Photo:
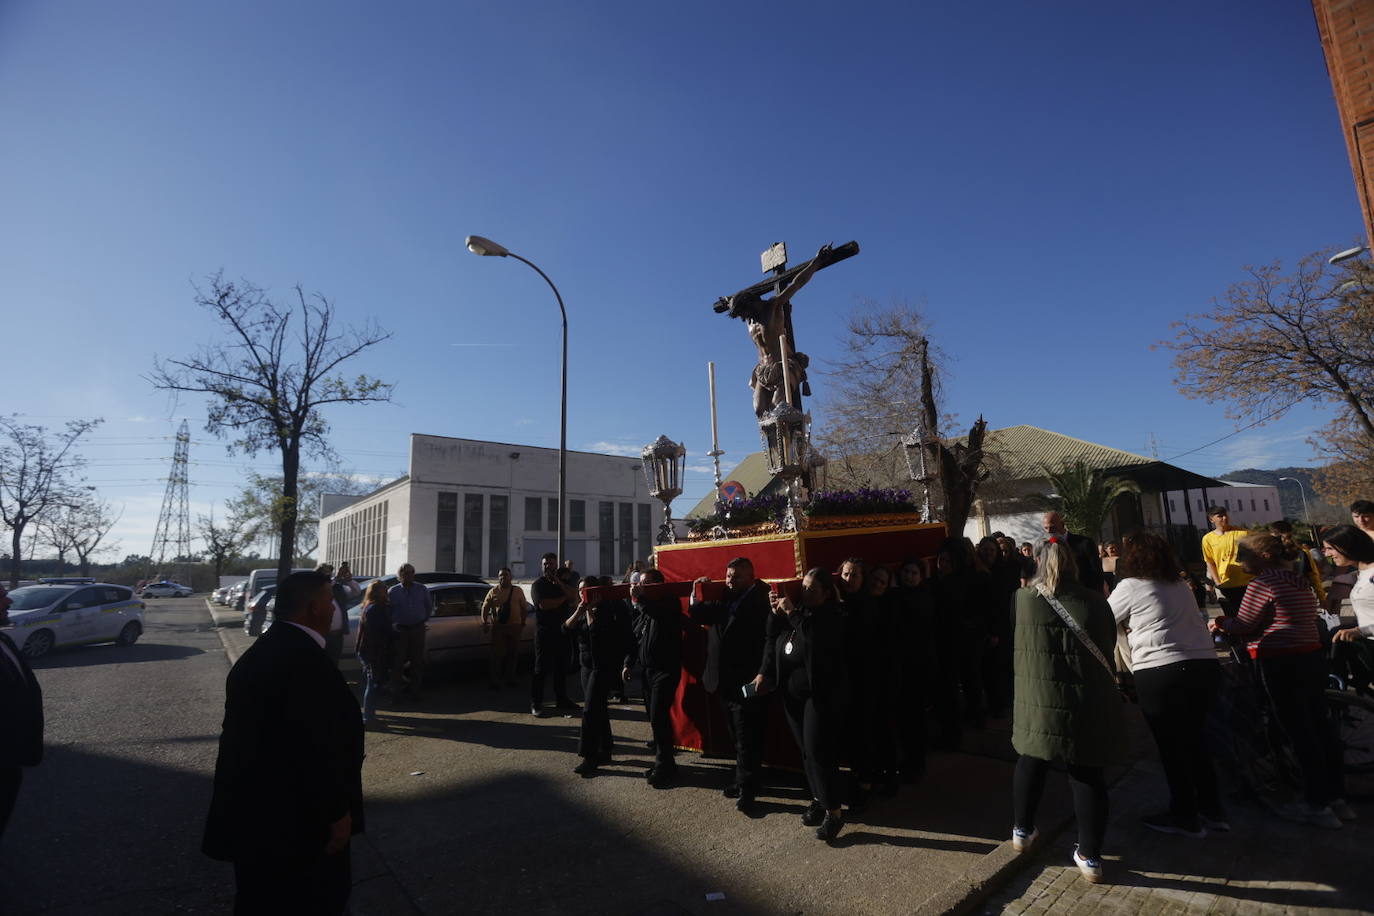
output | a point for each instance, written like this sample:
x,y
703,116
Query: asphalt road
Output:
x,y
110,821
472,807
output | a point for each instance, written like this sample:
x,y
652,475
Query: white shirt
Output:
x,y
319,640
1165,623
1362,599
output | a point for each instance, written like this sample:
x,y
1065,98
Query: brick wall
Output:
x,y
1347,35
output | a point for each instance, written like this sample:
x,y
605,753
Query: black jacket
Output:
x,y
658,629
826,653
603,644
21,714
290,754
734,641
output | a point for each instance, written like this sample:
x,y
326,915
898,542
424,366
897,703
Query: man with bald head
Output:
x,y
1084,551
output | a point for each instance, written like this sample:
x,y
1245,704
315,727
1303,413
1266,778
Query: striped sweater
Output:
x,y
1280,607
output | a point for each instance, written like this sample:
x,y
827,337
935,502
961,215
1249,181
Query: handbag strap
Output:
x,y
1077,630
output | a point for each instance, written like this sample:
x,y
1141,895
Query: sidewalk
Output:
x,y
440,778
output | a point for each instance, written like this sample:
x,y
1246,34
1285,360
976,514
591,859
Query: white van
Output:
x,y
259,579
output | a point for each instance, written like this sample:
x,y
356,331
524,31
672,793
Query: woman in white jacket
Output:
x,y
1176,675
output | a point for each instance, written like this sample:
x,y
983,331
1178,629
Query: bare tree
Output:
x,y
258,504
268,382
223,542
887,388
57,530
94,524
36,476
1275,340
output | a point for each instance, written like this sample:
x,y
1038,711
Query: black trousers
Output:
x,y
1089,787
10,778
596,741
910,723
746,719
1175,699
660,689
1295,685
550,658
279,889
816,727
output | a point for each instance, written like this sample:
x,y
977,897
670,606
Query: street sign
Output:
x,y
732,490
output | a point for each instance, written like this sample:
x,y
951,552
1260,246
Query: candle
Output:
x,y
711,376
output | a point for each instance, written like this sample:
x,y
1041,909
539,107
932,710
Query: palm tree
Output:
x,y
1085,495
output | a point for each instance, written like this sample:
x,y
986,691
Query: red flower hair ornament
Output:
x,y
1054,540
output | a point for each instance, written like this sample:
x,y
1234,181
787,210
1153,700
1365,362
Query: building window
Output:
x,y
446,534
472,532
627,536
643,528
606,533
1228,503
359,539
553,514
497,534
1266,505
577,515
1252,505
534,513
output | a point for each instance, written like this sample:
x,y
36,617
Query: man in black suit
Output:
x,y
21,717
737,625
288,780
1084,550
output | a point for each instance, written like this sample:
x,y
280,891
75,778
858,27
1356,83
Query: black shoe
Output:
x,y
586,768
651,745
663,777
1165,822
830,827
745,803
731,791
568,705
538,712
814,814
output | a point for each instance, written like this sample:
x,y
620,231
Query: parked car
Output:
x,y
67,580
166,589
257,612
454,633
45,616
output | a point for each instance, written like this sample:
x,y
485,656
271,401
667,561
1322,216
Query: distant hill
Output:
x,y
1322,511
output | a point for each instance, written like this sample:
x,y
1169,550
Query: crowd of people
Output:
x,y
872,664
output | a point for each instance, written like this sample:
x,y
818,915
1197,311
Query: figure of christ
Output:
x,y
769,322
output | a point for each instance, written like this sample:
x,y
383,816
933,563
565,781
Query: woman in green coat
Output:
x,y
1067,705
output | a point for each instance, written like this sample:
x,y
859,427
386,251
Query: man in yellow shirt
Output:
x,y
1219,552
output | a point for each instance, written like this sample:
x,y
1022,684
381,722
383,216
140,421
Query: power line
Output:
x,y
1236,433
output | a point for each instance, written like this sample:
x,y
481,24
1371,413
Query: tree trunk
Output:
x,y
84,559
290,489
16,554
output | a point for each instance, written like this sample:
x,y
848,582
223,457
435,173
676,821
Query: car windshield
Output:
x,y
36,596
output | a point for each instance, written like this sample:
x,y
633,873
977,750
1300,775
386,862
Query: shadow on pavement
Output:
x,y
81,656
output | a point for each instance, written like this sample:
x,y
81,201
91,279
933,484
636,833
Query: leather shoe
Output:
x,y
538,712
731,791
813,815
586,768
745,803
830,827
662,777
568,704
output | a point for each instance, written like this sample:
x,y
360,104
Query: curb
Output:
x,y
998,867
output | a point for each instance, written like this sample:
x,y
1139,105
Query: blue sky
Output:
x,y
1053,183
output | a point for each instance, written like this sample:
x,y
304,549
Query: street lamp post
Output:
x,y
1303,493
487,248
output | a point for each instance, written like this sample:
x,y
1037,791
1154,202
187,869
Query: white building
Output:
x,y
472,506
1248,504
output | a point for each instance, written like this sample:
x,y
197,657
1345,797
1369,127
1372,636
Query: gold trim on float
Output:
x,y
696,545
871,529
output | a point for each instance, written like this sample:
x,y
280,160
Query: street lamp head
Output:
x,y
1346,255
486,247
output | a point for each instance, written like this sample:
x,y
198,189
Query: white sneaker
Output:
x,y
1342,810
1090,869
1021,840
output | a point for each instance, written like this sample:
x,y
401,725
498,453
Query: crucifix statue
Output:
x,y
779,377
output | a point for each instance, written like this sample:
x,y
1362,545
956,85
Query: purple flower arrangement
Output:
x,y
863,501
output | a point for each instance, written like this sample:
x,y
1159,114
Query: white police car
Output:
x,y
165,589
44,616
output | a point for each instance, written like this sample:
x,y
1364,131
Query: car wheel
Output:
x,y
130,634
39,644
